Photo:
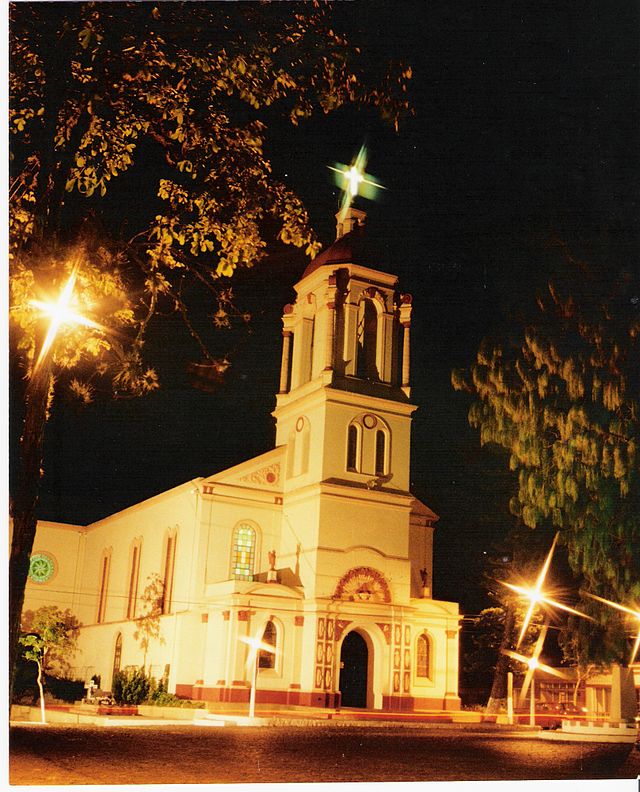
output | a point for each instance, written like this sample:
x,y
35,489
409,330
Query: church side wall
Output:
x,y
63,546
147,526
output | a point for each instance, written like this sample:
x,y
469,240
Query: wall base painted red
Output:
x,y
304,698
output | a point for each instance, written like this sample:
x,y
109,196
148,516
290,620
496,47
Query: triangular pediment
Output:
x,y
262,472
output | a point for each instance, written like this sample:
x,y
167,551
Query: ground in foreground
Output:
x,y
189,755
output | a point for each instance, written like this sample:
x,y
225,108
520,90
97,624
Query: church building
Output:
x,y
317,547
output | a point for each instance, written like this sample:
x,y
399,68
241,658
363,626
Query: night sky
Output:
x,y
526,125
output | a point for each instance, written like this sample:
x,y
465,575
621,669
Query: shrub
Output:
x,y
131,686
159,696
62,689
165,699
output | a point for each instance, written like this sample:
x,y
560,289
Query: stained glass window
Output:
x,y
422,657
243,552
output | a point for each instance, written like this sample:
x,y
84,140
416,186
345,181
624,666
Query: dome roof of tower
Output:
x,y
356,247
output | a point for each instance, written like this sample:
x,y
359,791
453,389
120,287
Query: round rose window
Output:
x,y
41,568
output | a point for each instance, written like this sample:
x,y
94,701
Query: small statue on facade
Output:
x,y
424,577
272,560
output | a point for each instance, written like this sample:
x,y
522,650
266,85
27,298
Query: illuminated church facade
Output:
x,y
317,547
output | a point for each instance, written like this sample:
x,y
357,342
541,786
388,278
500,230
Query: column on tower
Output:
x,y
287,339
286,359
331,314
405,321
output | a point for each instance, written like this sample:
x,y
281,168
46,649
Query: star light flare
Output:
x,y
256,644
536,595
353,180
61,313
533,663
624,609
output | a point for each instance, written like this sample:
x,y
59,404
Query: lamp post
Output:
x,y
255,645
25,496
533,664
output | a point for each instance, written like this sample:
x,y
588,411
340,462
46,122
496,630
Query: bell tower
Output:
x,y
343,405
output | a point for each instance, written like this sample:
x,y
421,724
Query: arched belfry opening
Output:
x,y
354,671
367,351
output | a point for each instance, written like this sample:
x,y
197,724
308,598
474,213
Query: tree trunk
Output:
x,y
498,698
43,718
25,501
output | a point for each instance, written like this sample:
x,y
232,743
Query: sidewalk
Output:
x,y
304,717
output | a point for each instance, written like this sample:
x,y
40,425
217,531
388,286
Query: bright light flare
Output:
x,y
539,598
353,180
61,313
535,595
533,664
624,609
256,645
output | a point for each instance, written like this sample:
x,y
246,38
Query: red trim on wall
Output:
x,y
309,698
398,703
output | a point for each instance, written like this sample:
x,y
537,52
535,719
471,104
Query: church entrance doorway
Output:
x,y
354,664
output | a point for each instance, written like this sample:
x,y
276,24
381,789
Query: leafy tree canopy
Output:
x,y
184,92
49,637
559,393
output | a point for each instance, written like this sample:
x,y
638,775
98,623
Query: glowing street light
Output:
x,y
537,596
255,645
25,498
354,181
533,663
624,609
61,313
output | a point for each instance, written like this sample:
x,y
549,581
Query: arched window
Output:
x,y
243,551
105,565
423,658
134,573
381,453
117,654
353,447
367,341
169,563
267,659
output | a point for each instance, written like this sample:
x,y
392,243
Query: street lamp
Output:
x,y
61,313
255,645
537,596
25,499
533,663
